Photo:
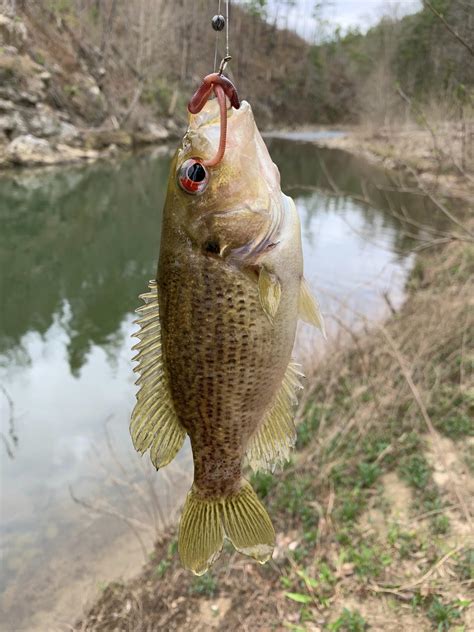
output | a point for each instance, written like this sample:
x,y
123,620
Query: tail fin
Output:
x,y
241,518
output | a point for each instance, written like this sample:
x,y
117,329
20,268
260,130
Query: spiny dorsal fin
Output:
x,y
271,444
154,424
269,290
309,309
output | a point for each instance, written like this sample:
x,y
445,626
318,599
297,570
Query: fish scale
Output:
x,y
213,378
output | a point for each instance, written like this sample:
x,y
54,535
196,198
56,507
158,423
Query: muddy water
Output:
x,y
77,245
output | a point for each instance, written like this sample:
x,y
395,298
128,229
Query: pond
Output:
x,y
77,245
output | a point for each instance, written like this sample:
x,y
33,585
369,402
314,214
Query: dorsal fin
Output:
x,y
154,425
271,444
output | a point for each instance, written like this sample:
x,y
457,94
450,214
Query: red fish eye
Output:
x,y
193,176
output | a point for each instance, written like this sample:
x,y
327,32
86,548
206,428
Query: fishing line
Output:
x,y
227,54
217,37
219,22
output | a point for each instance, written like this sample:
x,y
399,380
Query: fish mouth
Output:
x,y
210,115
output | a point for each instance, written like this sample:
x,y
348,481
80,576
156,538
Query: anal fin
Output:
x,y
154,425
271,444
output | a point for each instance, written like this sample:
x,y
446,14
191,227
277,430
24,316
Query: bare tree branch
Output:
x,y
453,31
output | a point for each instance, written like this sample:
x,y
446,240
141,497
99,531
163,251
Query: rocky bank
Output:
x,y
53,105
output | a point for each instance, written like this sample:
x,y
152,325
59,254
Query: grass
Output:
x,y
205,585
442,614
348,622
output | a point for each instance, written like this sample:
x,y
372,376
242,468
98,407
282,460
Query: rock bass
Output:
x,y
217,331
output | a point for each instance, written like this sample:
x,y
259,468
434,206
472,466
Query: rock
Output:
x,y
68,133
151,133
99,139
86,98
6,105
12,32
19,79
8,93
75,154
12,124
29,150
10,50
95,91
28,98
44,122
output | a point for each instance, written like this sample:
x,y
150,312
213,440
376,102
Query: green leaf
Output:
x,y
298,597
307,579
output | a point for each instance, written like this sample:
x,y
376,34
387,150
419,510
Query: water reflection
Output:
x,y
85,238
77,246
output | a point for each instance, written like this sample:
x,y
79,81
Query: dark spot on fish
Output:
x,y
212,246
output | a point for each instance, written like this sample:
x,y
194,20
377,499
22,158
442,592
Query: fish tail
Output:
x,y
241,518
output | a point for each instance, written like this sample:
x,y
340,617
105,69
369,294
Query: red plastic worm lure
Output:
x,y
222,87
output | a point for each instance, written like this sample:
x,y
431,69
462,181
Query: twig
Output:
x,y
419,111
11,425
410,585
452,30
438,204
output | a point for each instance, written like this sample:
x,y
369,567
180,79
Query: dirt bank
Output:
x,y
439,155
374,513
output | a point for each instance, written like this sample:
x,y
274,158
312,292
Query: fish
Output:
x,y
217,330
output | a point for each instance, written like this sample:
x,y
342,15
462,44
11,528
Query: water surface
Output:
x,y
77,245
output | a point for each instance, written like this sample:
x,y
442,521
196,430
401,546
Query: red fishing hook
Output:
x,y
222,87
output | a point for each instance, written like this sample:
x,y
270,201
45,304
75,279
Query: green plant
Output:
x,y
349,622
162,567
204,585
465,565
295,496
442,614
263,483
416,471
368,560
440,524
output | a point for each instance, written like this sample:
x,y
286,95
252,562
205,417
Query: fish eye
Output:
x,y
193,176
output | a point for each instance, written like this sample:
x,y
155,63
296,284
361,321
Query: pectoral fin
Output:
x,y
309,309
269,290
154,425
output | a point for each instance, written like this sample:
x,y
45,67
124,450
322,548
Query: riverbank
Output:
x,y
439,155
374,513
